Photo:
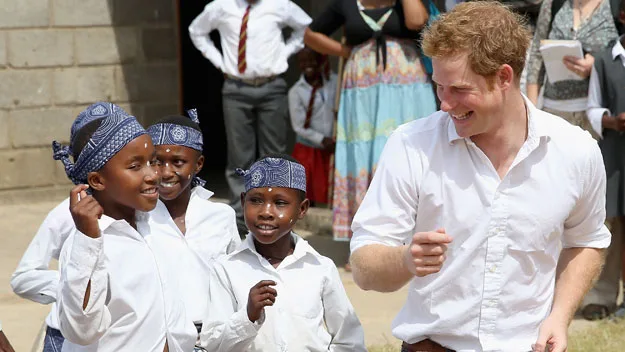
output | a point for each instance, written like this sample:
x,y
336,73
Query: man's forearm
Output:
x,y
380,268
577,270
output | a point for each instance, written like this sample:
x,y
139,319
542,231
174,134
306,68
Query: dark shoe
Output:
x,y
595,312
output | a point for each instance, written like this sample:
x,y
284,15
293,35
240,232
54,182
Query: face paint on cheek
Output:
x,y
188,176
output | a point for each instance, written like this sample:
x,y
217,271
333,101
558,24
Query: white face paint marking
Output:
x,y
270,189
166,164
281,216
268,206
188,176
148,163
291,221
145,146
167,150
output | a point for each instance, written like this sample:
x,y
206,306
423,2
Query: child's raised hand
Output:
x,y
328,144
261,296
85,211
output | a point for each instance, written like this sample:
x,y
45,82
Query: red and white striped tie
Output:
x,y
242,39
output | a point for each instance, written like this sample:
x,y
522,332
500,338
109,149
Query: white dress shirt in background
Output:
x,y
266,51
33,279
497,284
133,304
311,313
322,119
211,231
595,110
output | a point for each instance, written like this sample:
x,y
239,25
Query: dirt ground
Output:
x,y
22,320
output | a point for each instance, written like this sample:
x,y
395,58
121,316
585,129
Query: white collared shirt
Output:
x,y
311,313
595,110
266,51
497,284
133,304
211,231
322,118
33,279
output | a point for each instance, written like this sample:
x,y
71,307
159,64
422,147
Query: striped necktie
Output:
x,y
242,39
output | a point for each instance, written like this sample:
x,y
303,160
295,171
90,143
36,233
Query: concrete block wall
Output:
x,y
58,56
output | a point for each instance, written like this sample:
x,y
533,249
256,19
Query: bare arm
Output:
x,y
415,14
323,44
5,345
380,268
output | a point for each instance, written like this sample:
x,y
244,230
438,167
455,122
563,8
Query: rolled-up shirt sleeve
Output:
x,y
594,110
82,262
387,214
585,225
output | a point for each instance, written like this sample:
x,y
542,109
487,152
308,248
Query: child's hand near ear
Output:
x,y
261,296
85,211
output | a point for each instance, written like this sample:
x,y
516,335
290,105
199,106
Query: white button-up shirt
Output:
x,y
133,304
322,118
266,51
311,313
211,231
33,279
497,283
595,110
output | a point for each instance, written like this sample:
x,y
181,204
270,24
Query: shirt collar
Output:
x,y
618,50
302,247
106,222
201,192
535,126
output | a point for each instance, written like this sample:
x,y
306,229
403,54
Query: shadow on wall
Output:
x,y
145,32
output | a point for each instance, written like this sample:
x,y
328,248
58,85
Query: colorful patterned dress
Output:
x,y
379,93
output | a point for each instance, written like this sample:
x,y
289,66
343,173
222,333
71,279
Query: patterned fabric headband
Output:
x,y
169,133
172,134
274,172
117,129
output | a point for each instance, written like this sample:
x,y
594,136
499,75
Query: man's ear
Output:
x,y
199,164
96,181
505,76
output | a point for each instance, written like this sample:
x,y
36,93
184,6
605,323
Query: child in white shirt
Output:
x,y
198,230
275,292
311,108
115,293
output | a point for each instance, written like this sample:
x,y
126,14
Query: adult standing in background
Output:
x,y
384,85
253,60
589,21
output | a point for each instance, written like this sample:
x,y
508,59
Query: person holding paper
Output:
x,y
591,23
606,112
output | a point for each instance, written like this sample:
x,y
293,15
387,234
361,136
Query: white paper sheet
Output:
x,y
553,52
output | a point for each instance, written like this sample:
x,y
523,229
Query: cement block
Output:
x,y
142,11
3,50
41,48
39,127
81,13
25,88
159,44
156,112
106,45
24,13
5,141
149,83
26,168
64,85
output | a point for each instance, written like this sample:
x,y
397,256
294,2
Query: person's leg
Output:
x,y
601,299
620,311
53,342
240,123
272,118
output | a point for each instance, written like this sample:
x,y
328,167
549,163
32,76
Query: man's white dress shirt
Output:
x,y
497,283
133,304
311,313
322,118
595,110
266,51
33,279
211,231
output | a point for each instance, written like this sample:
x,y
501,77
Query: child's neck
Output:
x,y
277,251
117,211
314,81
178,209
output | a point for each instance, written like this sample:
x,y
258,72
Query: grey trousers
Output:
x,y
256,125
606,289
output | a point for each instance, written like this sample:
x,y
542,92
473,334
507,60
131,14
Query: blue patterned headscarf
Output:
x,y
274,172
117,129
174,134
